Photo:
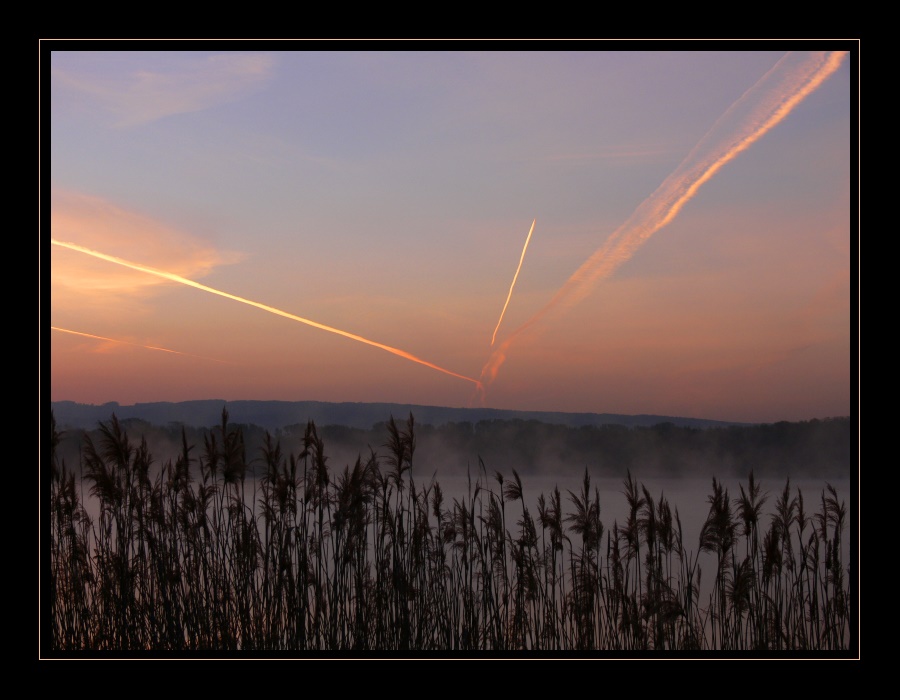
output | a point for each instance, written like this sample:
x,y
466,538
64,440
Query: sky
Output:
x,y
350,226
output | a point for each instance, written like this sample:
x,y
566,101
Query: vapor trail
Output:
x,y
515,277
125,342
264,307
759,109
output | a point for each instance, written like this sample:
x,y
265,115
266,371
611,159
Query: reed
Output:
x,y
213,551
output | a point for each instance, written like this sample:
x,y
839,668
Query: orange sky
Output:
x,y
388,196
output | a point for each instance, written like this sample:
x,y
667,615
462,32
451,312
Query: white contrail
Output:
x,y
515,277
264,307
139,345
769,101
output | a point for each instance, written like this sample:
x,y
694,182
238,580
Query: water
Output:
x,y
686,494
689,496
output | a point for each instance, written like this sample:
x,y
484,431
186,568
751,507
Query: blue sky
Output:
x,y
388,195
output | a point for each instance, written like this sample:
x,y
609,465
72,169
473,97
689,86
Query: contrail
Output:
x,y
515,277
125,342
264,307
769,101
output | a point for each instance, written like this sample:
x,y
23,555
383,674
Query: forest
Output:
x,y
815,447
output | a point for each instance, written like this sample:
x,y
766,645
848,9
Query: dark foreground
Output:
x,y
181,558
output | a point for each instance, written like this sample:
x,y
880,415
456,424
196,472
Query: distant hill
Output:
x,y
272,415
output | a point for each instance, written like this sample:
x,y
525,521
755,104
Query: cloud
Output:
x,y
166,275
95,222
190,85
757,111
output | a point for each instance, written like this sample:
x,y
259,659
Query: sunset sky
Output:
x,y
346,226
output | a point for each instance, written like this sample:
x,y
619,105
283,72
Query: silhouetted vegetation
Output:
x,y
821,448
196,554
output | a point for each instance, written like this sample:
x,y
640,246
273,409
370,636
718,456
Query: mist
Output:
x,y
815,448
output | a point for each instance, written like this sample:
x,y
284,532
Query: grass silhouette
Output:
x,y
192,555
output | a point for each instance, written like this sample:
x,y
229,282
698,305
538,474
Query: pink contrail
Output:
x,y
264,307
139,345
769,101
515,277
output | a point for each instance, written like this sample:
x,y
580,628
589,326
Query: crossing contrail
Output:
x,y
768,102
515,277
139,345
264,307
